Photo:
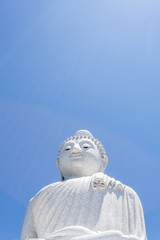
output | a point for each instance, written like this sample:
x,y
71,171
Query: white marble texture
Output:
x,y
87,204
73,208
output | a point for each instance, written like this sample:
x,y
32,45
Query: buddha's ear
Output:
x,y
103,166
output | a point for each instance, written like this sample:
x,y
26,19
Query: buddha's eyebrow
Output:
x,y
86,141
68,143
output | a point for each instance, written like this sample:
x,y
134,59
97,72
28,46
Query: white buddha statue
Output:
x,y
87,204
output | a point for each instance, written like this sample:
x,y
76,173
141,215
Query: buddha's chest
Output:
x,y
76,206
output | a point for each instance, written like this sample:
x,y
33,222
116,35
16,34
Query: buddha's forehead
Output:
x,y
79,141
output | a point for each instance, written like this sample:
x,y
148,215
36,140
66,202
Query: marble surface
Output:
x,y
87,204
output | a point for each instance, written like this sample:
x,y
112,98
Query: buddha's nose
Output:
x,y
76,149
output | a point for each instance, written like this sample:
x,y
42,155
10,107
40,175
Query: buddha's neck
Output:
x,y
79,176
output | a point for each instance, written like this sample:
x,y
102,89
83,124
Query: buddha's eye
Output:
x,y
86,146
67,148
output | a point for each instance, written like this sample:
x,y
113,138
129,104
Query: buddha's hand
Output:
x,y
68,233
108,235
100,181
36,239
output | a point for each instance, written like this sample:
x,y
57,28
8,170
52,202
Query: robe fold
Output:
x,y
70,209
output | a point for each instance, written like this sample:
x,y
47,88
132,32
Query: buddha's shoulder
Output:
x,y
123,187
55,188
131,193
46,191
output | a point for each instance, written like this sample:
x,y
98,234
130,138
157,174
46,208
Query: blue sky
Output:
x,y
70,65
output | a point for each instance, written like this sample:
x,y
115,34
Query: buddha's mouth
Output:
x,y
76,156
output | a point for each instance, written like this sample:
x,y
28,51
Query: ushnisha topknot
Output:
x,y
85,134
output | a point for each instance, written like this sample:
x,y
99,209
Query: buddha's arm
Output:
x,y
108,235
135,221
28,230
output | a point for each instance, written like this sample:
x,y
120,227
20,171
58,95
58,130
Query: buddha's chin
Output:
x,y
77,162
79,171
77,175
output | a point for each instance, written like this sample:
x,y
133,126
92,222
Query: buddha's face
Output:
x,y
79,158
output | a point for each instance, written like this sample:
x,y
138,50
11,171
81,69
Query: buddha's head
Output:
x,y
81,155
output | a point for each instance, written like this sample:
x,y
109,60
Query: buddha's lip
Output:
x,y
76,155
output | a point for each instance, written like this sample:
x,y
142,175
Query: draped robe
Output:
x,y
72,209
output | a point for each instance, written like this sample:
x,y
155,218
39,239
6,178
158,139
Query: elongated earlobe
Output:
x,y
62,177
103,164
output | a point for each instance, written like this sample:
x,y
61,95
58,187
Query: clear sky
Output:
x,y
70,65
